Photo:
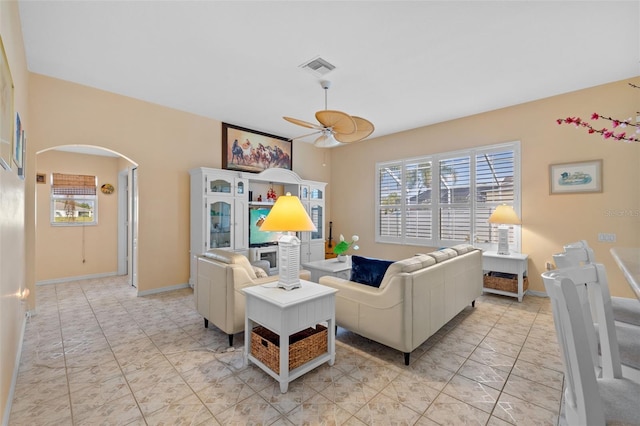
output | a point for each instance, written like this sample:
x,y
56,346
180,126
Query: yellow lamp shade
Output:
x,y
504,215
288,214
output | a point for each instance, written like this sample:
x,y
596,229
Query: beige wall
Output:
x,y
549,221
77,251
165,144
12,212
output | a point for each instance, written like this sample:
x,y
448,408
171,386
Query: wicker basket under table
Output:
x,y
304,346
504,282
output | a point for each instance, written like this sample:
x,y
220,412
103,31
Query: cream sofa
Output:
x,y
416,297
221,275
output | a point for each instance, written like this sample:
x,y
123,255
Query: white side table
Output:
x,y
285,313
333,267
513,263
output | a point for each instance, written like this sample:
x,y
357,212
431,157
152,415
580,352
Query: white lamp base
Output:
x,y
289,262
503,240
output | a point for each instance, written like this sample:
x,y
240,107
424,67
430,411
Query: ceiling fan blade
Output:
x,y
302,123
364,129
339,121
308,134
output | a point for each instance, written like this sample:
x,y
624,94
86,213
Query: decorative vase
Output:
x,y
342,258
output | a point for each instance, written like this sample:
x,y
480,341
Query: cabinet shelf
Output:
x,y
261,203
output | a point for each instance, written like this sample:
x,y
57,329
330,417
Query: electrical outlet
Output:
x,y
606,238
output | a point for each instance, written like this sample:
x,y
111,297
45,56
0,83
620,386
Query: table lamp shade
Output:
x,y
288,215
504,215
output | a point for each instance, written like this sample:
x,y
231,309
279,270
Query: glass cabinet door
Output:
x,y
318,220
316,194
220,219
304,193
219,186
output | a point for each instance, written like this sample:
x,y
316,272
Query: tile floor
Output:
x,y
95,353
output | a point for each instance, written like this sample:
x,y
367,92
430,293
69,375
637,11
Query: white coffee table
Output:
x,y
333,267
285,313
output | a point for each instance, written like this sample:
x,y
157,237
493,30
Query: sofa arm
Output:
x,y
305,275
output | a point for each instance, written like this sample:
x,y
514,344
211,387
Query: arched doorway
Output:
x,y
107,247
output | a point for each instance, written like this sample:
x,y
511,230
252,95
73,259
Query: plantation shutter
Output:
x,y
446,198
390,200
455,205
494,186
418,210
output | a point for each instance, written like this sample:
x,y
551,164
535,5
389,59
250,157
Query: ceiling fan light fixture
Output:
x,y
325,140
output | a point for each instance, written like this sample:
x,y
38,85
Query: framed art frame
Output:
x,y
575,178
23,144
251,151
6,110
17,145
41,178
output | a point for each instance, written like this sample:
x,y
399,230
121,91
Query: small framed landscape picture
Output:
x,y
251,151
41,178
575,178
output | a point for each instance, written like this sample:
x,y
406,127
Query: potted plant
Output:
x,y
343,246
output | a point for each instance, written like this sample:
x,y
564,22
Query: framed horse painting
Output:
x,y
251,151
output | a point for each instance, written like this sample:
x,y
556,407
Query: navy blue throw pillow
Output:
x,y
369,271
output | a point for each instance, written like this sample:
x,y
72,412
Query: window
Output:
x,y
73,200
447,198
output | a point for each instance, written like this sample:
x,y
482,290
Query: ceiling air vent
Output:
x,y
318,66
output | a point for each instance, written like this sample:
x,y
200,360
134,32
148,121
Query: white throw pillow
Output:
x,y
260,273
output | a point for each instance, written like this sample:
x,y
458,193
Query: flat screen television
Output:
x,y
258,238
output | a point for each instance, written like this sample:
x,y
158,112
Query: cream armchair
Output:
x,y
221,276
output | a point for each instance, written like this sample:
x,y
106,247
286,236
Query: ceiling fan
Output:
x,y
335,126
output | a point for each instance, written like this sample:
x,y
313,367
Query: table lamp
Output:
x,y
504,215
288,215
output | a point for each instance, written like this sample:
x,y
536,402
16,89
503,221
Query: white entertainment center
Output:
x,y
220,213
265,254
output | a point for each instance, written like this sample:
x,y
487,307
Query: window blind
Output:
x,y
66,184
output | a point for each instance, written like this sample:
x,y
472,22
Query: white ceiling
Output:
x,y
399,64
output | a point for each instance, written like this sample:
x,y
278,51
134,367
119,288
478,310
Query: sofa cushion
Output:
x,y
444,254
369,271
411,264
426,260
463,248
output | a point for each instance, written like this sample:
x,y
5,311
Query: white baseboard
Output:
x,y
537,293
14,378
76,278
111,274
163,289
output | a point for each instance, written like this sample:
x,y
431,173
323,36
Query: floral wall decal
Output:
x,y
617,131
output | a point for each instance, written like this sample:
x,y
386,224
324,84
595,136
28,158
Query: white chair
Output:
x,y
575,254
627,335
589,400
625,310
